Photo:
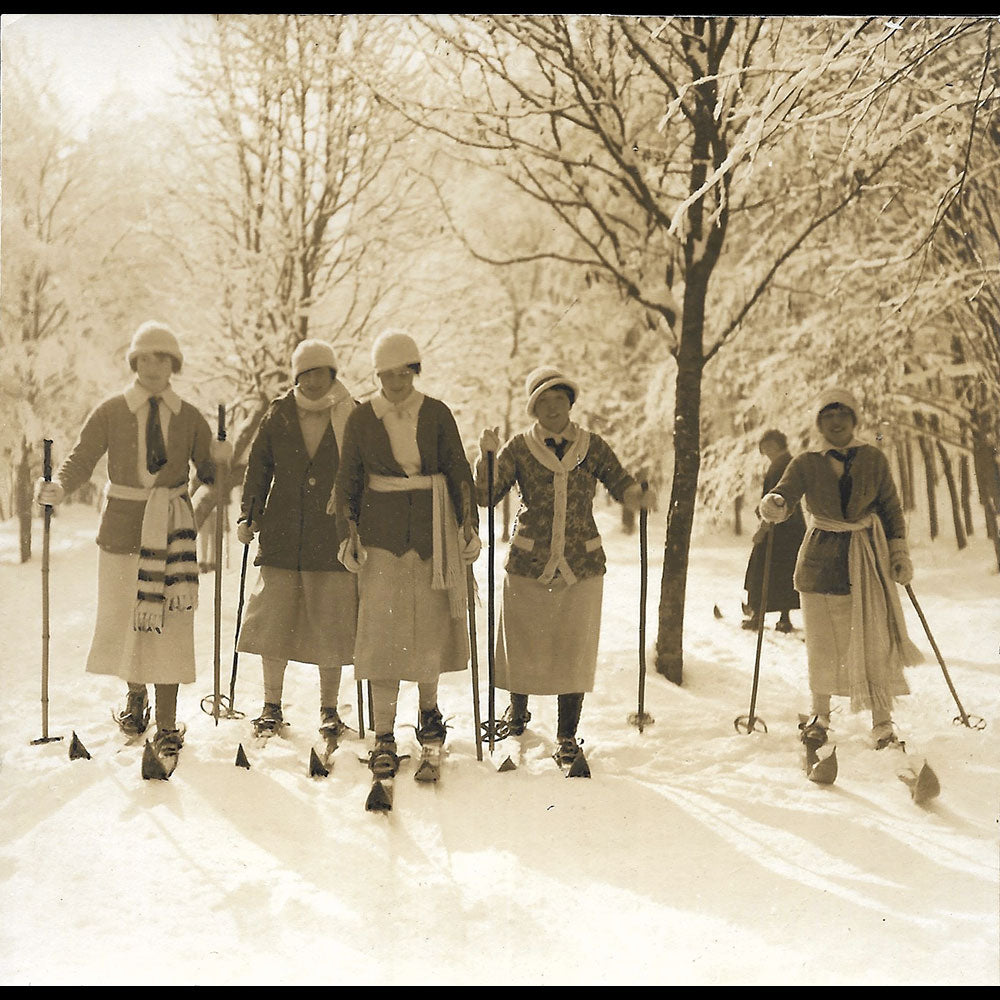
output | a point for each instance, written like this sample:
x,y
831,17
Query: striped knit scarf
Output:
x,y
168,559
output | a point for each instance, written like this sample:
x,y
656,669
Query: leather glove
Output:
x,y
773,508
354,559
471,548
245,532
49,494
900,565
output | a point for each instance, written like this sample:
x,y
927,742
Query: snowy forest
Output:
x,y
705,219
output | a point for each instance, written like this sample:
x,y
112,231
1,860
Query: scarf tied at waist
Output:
x,y
168,558
875,607
447,567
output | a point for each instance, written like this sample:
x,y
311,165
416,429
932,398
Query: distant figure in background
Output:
x,y
781,593
305,605
147,569
851,560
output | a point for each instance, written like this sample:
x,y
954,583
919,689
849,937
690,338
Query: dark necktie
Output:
x,y
559,447
847,457
156,449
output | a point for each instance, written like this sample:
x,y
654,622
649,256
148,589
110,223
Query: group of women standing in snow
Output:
x,y
367,517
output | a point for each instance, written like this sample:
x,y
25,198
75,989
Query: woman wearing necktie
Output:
x,y
853,555
305,605
399,505
550,616
147,585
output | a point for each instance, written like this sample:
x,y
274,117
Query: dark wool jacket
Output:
x,y
530,545
398,522
822,562
290,491
113,428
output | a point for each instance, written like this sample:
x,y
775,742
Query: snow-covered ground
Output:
x,y
694,855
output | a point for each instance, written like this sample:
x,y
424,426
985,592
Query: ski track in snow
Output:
x,y
694,855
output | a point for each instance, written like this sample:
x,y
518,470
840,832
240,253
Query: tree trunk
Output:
x,y
24,501
738,515
988,484
965,493
930,480
956,503
904,461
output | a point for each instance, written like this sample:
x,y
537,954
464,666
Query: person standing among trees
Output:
x,y
147,577
305,605
853,556
781,593
550,618
403,476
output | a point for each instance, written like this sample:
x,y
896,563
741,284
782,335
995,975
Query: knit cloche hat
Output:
x,y
154,338
310,354
836,395
394,349
547,377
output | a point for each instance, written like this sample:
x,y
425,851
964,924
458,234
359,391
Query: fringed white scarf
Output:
x,y
560,468
338,401
876,613
168,559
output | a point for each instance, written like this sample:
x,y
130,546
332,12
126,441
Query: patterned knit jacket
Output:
x,y
113,428
398,522
290,491
530,546
822,562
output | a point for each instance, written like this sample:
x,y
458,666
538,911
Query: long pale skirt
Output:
x,y
827,619
548,635
309,616
165,657
405,628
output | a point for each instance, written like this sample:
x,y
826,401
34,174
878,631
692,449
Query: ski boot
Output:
x,y
269,721
570,757
784,625
134,720
516,724
159,758
383,761
331,727
814,732
432,730
883,735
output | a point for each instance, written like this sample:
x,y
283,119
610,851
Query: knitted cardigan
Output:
x,y
113,428
530,545
822,563
399,522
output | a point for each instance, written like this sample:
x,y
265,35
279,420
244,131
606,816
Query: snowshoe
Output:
x,y
159,757
317,769
383,762
331,727
814,733
134,719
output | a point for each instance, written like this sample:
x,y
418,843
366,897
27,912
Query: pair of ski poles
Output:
x,y
751,722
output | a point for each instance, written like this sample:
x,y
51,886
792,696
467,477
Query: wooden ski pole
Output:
x,y
470,587
221,486
973,722
491,598
46,533
231,712
748,723
642,718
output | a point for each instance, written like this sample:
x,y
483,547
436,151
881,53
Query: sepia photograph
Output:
x,y
499,500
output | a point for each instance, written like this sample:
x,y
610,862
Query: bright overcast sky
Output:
x,y
94,55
